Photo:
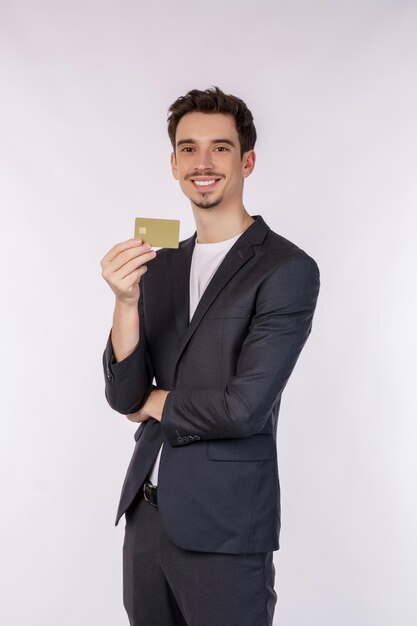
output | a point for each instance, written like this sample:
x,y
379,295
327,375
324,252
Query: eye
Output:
x,y
186,149
221,148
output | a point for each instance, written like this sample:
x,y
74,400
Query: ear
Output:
x,y
248,163
174,166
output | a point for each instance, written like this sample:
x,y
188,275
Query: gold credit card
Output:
x,y
158,232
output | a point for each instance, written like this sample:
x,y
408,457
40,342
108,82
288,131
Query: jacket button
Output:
x,y
196,437
108,372
180,439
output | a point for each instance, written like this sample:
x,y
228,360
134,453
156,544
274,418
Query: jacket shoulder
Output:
x,y
279,250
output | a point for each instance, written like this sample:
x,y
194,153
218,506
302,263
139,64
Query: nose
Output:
x,y
203,159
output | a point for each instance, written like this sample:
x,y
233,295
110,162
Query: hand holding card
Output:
x,y
160,233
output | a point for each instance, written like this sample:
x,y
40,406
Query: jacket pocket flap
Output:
x,y
253,448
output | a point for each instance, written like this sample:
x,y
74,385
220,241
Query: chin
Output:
x,y
207,204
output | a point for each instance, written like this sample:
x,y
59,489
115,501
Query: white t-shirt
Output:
x,y
204,263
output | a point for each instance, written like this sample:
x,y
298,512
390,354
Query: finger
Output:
x,y
120,247
135,264
132,278
121,250
133,257
133,417
137,417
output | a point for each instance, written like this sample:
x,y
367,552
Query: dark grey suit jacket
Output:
x,y
218,486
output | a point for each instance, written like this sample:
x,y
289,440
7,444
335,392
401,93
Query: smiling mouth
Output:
x,y
204,184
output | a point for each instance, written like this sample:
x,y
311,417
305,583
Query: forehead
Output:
x,y
200,126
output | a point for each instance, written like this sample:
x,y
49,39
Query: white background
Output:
x,y
85,90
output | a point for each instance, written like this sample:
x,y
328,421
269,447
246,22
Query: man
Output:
x,y
219,324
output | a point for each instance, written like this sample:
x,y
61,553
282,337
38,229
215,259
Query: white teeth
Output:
x,y
204,183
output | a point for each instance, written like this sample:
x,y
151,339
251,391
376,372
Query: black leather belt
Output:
x,y
149,492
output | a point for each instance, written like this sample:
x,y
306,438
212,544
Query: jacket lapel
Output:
x,y
241,251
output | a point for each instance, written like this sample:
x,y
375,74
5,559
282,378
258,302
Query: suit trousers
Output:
x,y
164,585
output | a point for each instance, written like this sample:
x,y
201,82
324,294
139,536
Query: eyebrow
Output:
x,y
228,141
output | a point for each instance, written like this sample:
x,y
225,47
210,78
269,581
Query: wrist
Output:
x,y
126,305
160,397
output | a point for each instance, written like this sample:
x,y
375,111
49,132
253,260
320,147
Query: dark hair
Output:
x,y
213,100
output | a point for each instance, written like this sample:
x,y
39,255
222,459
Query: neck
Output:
x,y
215,225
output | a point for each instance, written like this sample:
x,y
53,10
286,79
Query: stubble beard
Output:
x,y
207,204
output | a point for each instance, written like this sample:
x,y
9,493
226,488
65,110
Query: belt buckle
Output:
x,y
144,493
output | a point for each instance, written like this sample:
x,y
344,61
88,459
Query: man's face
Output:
x,y
208,164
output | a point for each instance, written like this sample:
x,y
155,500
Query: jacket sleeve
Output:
x,y
128,382
282,322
